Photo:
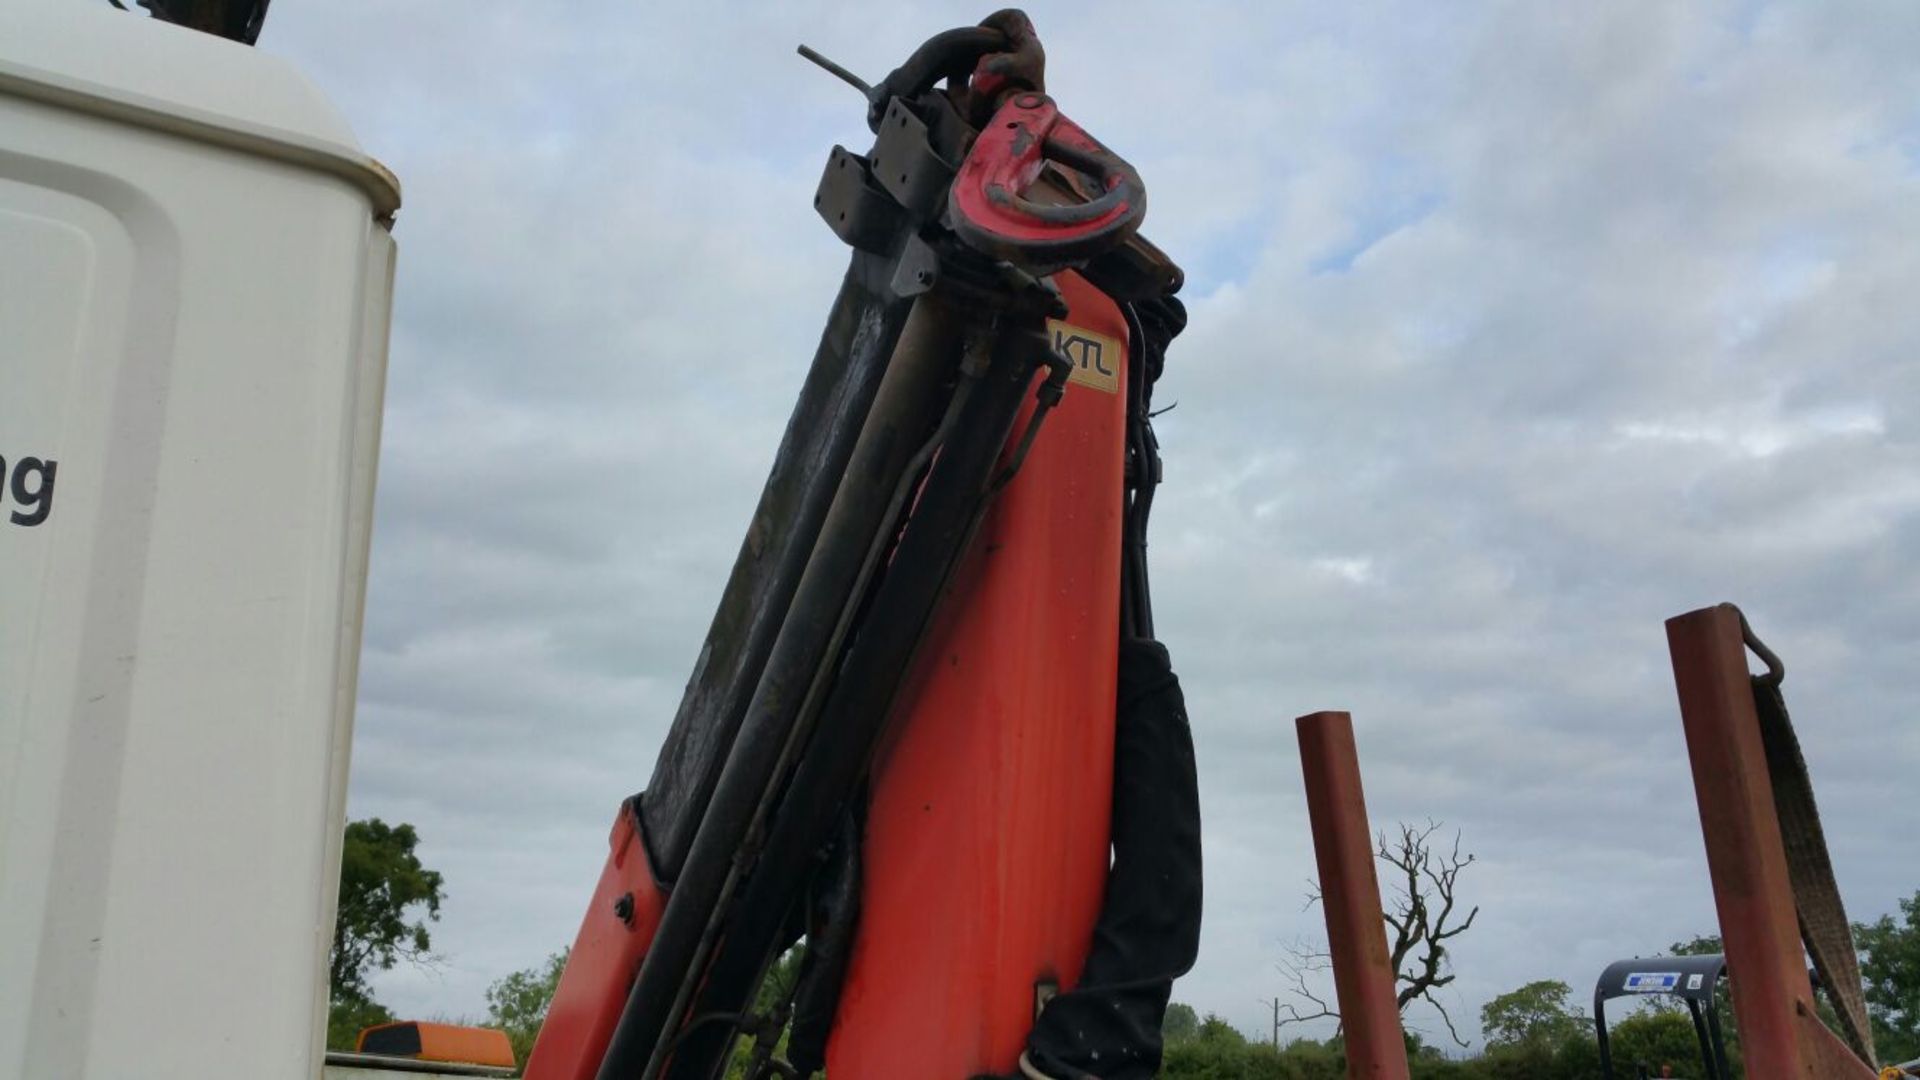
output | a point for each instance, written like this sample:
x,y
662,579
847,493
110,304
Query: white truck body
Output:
x,y
195,274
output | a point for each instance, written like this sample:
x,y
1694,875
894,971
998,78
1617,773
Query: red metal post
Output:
x,y
1350,896
1772,996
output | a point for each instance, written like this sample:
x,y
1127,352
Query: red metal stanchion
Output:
x,y
1782,1036
1350,896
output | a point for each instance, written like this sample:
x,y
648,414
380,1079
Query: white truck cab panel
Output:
x,y
195,273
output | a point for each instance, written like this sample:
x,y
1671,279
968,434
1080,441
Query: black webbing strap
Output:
x,y
1109,1026
1824,928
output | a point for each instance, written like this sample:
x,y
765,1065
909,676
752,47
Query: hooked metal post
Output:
x,y
1746,856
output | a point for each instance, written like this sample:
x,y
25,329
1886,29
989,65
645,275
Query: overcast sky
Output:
x,y
1516,329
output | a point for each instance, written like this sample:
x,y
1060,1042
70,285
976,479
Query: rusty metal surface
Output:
x,y
1772,996
1350,896
1826,1054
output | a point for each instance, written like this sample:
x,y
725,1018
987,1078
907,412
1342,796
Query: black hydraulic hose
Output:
x,y
863,328
1136,604
904,410
877,662
1151,326
830,935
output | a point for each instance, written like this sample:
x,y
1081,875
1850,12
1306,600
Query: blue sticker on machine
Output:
x,y
1651,982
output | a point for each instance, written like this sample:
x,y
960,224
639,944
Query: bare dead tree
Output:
x,y
1424,914
1305,969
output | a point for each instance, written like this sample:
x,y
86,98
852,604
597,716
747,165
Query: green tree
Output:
x,y
348,1016
1537,1014
776,992
387,897
1699,945
1216,1051
1656,1038
1181,1022
517,1004
1891,967
1215,1030
781,980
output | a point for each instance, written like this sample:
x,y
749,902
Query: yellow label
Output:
x,y
1096,358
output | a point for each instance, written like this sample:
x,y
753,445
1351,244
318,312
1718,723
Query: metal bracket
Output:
x,y
917,268
857,210
906,165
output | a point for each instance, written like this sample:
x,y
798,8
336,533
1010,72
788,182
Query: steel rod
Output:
x,y
837,71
